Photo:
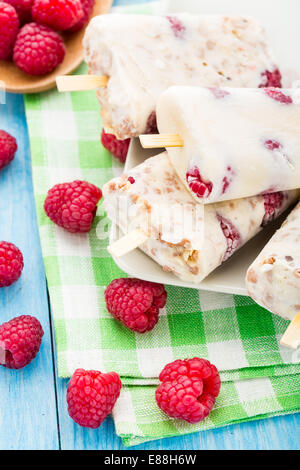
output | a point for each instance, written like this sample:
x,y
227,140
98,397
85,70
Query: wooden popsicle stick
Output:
x,y
80,82
152,141
127,243
291,338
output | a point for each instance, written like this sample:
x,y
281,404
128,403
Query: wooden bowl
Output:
x,y
17,81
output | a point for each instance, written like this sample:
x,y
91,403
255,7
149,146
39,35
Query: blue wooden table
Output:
x,y
33,412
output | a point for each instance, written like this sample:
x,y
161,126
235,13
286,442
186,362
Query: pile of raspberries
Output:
x,y
29,31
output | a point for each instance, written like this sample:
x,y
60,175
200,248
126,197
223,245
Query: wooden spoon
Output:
x,y
17,81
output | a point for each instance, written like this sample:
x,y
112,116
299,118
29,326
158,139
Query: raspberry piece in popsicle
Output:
x,y
233,237
272,203
177,26
271,79
201,188
227,179
218,92
151,126
278,95
272,144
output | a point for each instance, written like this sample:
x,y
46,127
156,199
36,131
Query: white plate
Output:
x,y
281,20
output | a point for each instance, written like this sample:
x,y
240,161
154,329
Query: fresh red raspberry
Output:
x,y
201,188
38,50
9,26
232,235
23,9
278,95
87,7
135,303
57,14
118,148
73,206
189,389
11,264
271,79
20,341
177,26
8,148
272,204
91,396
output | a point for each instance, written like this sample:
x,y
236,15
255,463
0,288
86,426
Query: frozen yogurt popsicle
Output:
x,y
237,142
273,279
226,226
152,199
144,55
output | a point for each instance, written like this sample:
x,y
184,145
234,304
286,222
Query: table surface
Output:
x,y
33,413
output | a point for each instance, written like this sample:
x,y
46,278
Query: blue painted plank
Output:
x,y
268,434
28,405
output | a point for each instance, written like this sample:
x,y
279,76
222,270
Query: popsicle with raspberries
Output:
x,y
223,229
233,142
273,279
136,57
150,202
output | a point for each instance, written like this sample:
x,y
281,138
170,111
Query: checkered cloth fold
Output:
x,y
260,378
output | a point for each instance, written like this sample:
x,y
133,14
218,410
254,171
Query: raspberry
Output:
x,y
73,206
57,14
272,144
118,148
151,126
201,188
233,237
218,92
227,179
38,50
272,203
271,79
278,95
23,9
275,145
91,396
9,26
135,303
87,7
131,179
189,389
8,148
177,26
11,264
20,341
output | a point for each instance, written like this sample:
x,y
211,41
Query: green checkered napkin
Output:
x,y
260,378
